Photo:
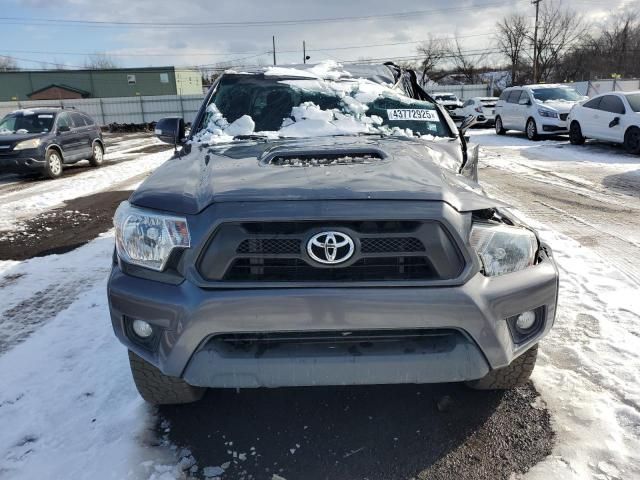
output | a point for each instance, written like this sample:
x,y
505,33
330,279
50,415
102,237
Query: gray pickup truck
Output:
x,y
323,225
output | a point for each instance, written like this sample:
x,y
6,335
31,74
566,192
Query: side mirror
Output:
x,y
170,130
525,101
468,122
64,128
614,122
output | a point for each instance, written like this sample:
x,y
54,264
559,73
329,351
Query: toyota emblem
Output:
x,y
330,248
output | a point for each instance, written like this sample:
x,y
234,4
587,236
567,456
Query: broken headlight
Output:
x,y
502,248
147,238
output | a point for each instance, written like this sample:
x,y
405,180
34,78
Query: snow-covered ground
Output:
x,y
45,195
68,407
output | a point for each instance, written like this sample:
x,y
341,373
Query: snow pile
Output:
x,y
18,204
308,119
327,70
68,406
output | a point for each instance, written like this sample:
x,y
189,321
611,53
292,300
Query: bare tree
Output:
x,y
7,64
433,52
100,61
559,29
466,64
511,38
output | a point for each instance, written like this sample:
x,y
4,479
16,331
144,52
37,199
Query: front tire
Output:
x,y
53,164
575,134
158,388
499,128
632,140
532,130
98,155
513,375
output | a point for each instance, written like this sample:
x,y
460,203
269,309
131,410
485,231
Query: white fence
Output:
x,y
463,92
122,109
594,87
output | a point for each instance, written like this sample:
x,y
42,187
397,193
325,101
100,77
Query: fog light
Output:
x,y
524,322
142,329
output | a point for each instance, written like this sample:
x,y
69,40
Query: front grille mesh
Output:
x,y
297,270
269,246
391,245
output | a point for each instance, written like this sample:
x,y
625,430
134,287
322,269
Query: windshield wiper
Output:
x,y
252,136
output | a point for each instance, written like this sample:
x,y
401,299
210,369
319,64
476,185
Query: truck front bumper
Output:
x,y
225,338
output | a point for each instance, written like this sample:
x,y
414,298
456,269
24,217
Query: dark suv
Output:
x,y
45,139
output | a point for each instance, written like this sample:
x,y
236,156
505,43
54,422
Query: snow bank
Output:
x,y
68,406
42,196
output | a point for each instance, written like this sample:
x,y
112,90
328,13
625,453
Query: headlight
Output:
x,y
503,249
33,143
147,238
547,113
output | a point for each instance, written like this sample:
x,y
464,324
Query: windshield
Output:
x,y
634,101
556,93
26,122
489,102
278,106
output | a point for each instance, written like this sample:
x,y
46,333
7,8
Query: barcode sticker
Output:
x,y
415,114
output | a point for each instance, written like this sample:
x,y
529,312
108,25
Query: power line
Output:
x,y
255,23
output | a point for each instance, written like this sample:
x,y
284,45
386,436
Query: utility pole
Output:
x,y
304,52
535,42
273,38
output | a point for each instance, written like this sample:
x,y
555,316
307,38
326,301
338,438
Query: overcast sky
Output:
x,y
32,39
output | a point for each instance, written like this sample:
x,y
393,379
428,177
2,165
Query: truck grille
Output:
x,y
276,252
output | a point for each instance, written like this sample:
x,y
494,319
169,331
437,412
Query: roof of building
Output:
x,y
62,86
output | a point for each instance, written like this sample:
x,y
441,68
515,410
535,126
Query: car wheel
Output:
x,y
532,130
575,134
499,128
98,155
515,374
632,140
53,164
158,388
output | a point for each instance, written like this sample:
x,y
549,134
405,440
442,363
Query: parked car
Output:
x,y
43,140
483,108
319,227
451,102
535,109
613,117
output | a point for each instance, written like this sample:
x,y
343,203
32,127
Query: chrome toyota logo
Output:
x,y
330,248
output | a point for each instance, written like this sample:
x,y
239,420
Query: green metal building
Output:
x,y
121,82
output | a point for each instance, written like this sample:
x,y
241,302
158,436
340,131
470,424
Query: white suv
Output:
x,y
535,109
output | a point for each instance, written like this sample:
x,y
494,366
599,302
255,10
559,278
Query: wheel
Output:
x,y
532,130
53,164
499,128
632,140
98,155
517,373
575,134
158,388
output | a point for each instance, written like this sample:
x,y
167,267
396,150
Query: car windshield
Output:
x,y
634,101
555,94
279,106
489,102
26,122
446,98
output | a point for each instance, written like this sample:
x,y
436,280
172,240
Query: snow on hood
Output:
x,y
308,119
561,106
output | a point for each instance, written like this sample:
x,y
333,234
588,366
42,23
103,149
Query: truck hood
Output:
x,y
245,171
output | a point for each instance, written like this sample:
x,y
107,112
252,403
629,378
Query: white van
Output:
x,y
535,109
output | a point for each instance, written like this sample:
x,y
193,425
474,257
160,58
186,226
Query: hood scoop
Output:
x,y
321,158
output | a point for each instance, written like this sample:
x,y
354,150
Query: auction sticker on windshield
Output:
x,y
419,114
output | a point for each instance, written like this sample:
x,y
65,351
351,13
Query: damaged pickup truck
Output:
x,y
323,225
